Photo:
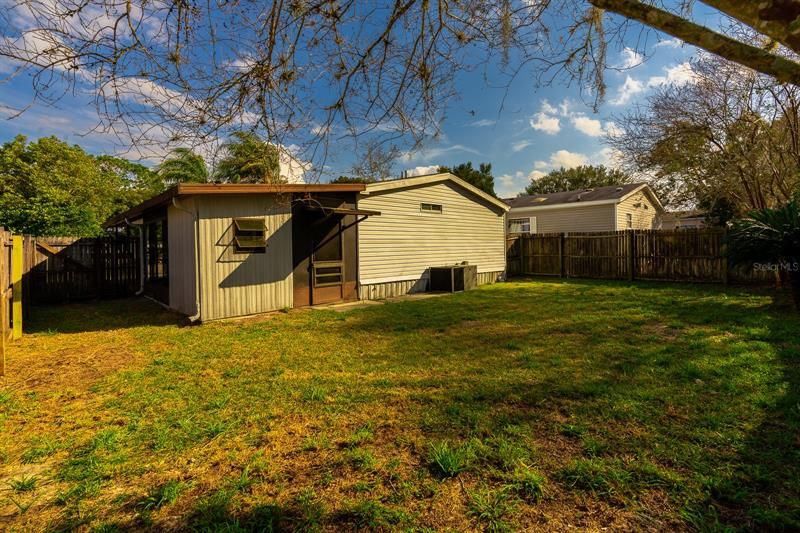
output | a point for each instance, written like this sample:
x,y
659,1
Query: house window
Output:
x,y
629,220
431,208
522,225
249,235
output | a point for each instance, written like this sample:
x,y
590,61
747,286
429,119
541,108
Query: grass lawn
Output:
x,y
520,406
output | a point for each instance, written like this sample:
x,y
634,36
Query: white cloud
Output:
x,y
670,43
627,90
482,123
567,159
612,129
609,157
548,109
536,174
630,59
546,123
520,145
589,126
423,170
427,154
681,74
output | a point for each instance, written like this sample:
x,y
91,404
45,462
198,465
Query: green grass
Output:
x,y
521,406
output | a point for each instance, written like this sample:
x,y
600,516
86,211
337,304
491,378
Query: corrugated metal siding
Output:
x,y
401,243
180,233
244,284
380,291
569,219
644,216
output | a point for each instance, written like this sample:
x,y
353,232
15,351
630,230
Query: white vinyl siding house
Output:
x,y
633,206
427,221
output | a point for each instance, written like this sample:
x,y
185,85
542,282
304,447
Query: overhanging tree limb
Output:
x,y
783,69
773,18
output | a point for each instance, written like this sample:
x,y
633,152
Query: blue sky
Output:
x,y
538,128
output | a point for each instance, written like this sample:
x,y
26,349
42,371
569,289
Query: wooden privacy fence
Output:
x,y
11,270
679,255
61,269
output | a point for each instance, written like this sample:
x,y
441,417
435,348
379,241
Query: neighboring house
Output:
x,y
217,251
614,208
427,221
684,220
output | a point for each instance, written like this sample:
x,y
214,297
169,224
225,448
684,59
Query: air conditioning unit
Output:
x,y
453,278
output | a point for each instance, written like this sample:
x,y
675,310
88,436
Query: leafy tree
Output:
x,y
350,179
726,142
136,182
249,159
48,187
183,166
480,177
573,179
770,236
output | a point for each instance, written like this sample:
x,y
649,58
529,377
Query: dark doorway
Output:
x,y
325,248
156,283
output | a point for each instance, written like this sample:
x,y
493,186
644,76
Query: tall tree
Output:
x,y
376,162
182,165
48,187
480,177
136,182
249,159
196,69
573,179
728,142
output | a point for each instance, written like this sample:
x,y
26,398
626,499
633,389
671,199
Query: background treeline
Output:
x,y
51,188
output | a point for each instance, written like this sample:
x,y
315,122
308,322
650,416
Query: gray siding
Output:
x,y
403,242
570,218
182,279
244,284
380,291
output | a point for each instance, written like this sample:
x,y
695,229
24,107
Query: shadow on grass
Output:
x,y
102,315
727,362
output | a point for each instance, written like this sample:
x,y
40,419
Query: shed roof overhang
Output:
x,y
195,189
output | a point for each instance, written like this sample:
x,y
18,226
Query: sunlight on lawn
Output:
x,y
537,405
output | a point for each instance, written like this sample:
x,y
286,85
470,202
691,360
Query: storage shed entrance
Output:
x,y
325,248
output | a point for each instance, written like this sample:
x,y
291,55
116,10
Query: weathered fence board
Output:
x,y
62,269
680,255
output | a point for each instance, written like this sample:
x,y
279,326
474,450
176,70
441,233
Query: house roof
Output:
x,y
596,196
429,179
194,189
682,215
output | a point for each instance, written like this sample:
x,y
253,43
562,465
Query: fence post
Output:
x,y
16,284
631,254
561,255
724,250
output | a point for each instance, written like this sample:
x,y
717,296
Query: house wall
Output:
x,y
234,284
570,218
643,210
181,242
397,247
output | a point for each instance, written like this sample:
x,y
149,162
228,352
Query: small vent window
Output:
x,y
250,235
431,208
629,220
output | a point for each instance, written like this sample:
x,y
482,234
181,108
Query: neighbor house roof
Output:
x,y
429,179
682,215
194,189
596,196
